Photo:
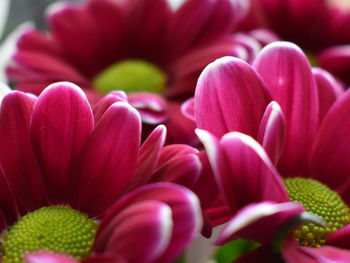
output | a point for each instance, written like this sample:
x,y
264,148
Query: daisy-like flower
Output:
x,y
302,154
321,27
140,46
74,181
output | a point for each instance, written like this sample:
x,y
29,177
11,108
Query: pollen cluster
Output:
x,y
321,201
56,228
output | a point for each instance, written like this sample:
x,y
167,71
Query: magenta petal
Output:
x,y
244,171
148,156
109,159
41,67
48,257
340,238
187,109
184,170
329,90
16,156
152,107
272,131
288,76
172,151
109,18
9,213
293,253
192,15
61,124
145,230
185,209
230,97
61,20
327,254
103,104
249,222
146,40
331,153
336,60
180,128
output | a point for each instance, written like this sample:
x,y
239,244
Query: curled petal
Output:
x,y
184,170
151,107
259,222
173,151
185,209
145,226
272,131
243,170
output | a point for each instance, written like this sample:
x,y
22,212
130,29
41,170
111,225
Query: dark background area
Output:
x,y
24,10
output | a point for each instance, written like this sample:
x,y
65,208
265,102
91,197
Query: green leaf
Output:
x,y
233,250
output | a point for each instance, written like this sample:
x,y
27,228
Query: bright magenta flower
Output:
x,y
58,156
303,155
318,26
139,46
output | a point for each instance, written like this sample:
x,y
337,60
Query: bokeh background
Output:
x,y
23,10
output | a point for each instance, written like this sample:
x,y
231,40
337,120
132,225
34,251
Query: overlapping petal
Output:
x,y
230,97
330,155
243,170
329,90
272,131
288,76
146,226
24,180
112,152
185,215
148,156
259,221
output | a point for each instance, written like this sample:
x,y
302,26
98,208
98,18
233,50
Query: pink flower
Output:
x,y
279,118
318,26
59,154
139,46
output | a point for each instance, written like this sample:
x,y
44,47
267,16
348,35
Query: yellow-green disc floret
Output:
x,y
131,76
56,228
321,201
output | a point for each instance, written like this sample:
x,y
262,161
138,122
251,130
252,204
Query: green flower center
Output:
x,y
131,76
55,228
321,201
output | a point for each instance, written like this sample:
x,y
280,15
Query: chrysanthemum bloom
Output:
x,y
321,27
139,46
303,155
71,181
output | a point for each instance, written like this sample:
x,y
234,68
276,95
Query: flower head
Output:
x,y
133,45
294,149
73,181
